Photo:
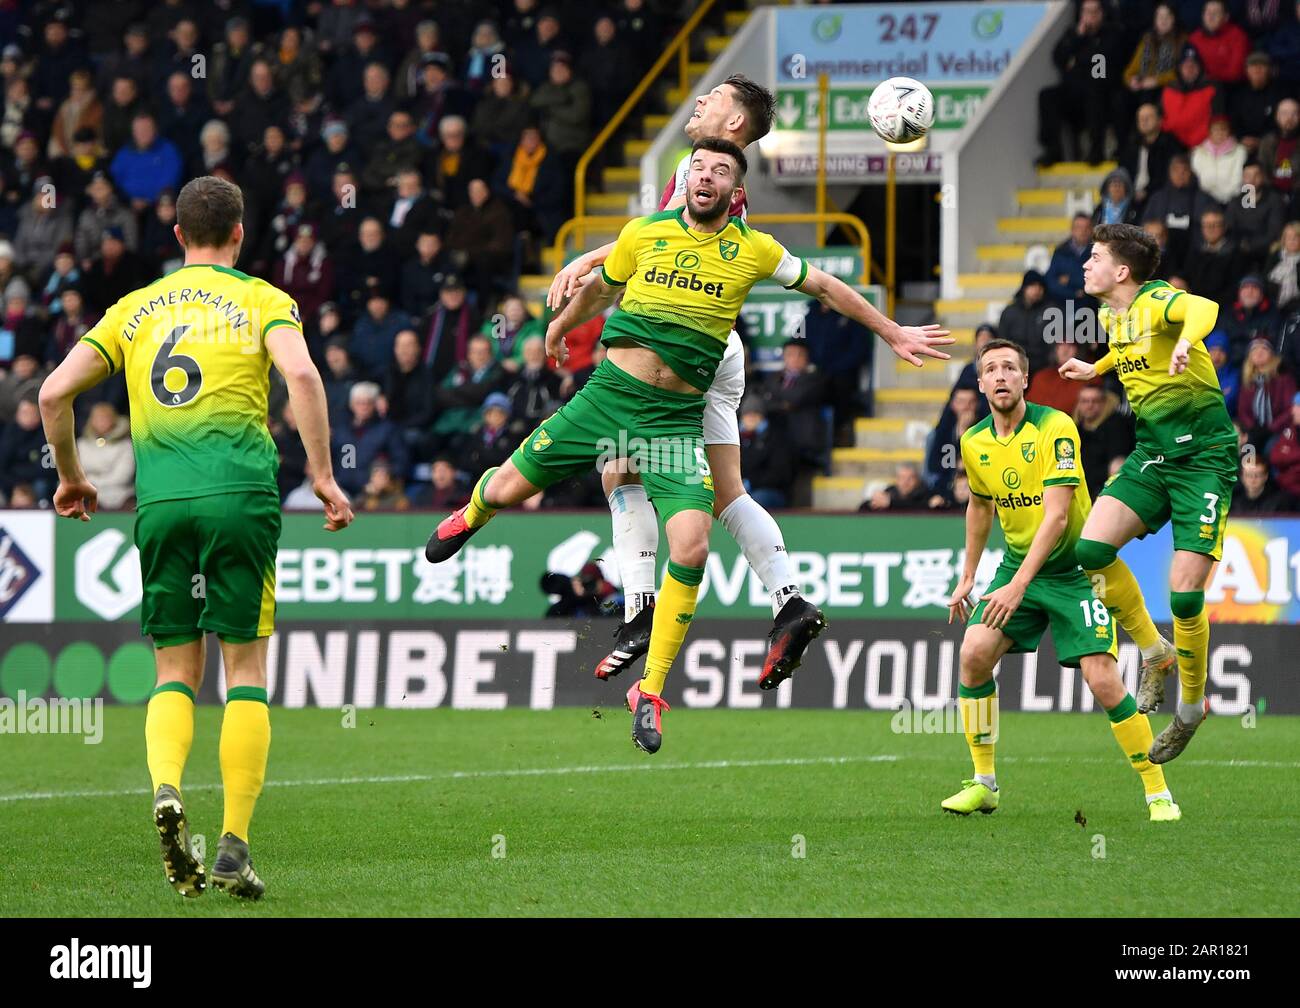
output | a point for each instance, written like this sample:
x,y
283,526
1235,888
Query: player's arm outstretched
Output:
x,y
82,369
1003,603
288,351
911,343
979,522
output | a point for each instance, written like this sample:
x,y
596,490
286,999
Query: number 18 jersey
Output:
x,y
197,373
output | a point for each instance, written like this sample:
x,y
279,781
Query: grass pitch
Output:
x,y
554,813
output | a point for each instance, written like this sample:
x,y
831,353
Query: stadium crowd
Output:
x,y
1204,123
402,163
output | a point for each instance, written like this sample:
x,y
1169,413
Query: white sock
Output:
x,y
1159,794
989,780
759,537
1155,649
1191,713
636,544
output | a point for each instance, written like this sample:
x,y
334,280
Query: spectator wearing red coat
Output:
x,y
1267,392
1284,456
306,273
1191,101
1223,45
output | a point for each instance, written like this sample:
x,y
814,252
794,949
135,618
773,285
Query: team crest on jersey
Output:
x,y
1028,450
542,441
728,249
1011,478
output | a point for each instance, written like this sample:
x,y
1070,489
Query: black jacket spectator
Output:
x,y
795,398
22,452
1249,318
1255,221
1104,435
1212,266
766,457
1257,494
1025,320
422,276
1083,100
1146,156
534,393
1179,205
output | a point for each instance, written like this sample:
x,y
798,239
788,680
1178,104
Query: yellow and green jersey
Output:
x,y
685,288
1176,414
1014,473
191,348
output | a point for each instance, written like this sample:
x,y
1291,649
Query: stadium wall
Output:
x,y
364,620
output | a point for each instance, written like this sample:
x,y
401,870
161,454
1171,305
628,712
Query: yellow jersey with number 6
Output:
x,y
191,348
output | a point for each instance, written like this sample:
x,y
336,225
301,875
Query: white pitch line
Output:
x,y
471,774
632,767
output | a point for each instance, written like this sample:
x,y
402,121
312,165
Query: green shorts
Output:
x,y
1193,493
1081,626
616,416
208,564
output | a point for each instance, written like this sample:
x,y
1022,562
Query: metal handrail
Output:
x,y
681,41
849,221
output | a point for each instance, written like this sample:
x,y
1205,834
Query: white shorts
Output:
x,y
722,400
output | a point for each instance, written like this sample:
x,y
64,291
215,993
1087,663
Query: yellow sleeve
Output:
x,y
1058,451
776,262
279,309
1106,364
1197,315
973,477
106,337
621,262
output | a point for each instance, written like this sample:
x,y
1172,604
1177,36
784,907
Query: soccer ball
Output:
x,y
901,109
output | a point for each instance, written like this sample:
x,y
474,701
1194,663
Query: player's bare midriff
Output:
x,y
649,367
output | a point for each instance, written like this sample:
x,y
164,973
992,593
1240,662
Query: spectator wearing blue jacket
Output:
x,y
841,349
364,438
1065,274
1229,374
147,165
375,331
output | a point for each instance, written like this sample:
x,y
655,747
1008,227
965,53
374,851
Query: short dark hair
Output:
x,y
717,145
758,102
1131,246
207,210
1005,344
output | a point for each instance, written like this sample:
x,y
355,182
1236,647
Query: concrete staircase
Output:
x,y
618,198
909,400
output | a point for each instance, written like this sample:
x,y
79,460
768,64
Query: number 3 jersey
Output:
x,y
191,348
1015,472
